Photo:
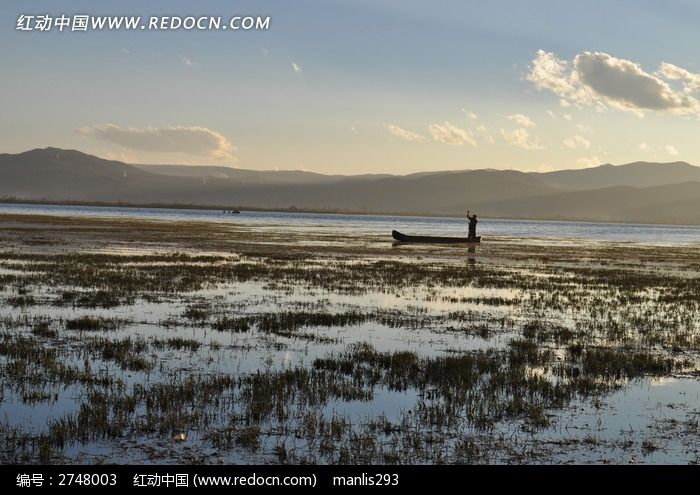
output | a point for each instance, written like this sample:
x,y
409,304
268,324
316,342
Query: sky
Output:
x,y
360,86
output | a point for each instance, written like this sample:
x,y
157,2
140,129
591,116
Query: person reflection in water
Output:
x,y
472,225
471,258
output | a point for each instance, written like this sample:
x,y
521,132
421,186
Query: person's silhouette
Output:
x,y
472,225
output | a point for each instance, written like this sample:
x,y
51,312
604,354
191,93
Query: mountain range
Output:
x,y
635,192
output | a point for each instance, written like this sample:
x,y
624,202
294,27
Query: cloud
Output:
x,y
404,134
521,120
593,161
471,115
297,68
551,114
624,83
675,73
577,141
568,117
548,72
196,141
522,139
671,150
584,128
645,147
600,80
449,134
188,62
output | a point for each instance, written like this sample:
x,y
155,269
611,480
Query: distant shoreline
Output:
x,y
243,209
187,206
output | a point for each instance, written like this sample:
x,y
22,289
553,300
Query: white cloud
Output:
x,y
624,83
297,68
675,73
522,139
471,115
568,117
584,128
577,141
521,120
481,128
600,80
188,62
645,147
671,150
593,161
449,134
563,103
196,141
403,133
551,114
548,72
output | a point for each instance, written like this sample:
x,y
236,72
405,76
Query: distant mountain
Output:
x,y
447,193
637,174
68,174
674,203
52,173
252,176
637,192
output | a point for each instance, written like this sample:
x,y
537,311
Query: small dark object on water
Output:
x,y
432,239
232,211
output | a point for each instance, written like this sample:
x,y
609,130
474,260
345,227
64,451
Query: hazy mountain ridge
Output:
x,y
636,174
251,176
636,192
674,203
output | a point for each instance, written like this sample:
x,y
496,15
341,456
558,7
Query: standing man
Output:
x,y
472,225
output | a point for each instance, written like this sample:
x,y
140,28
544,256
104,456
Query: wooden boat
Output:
x,y
433,240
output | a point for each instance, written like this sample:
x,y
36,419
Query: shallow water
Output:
x,y
659,235
448,311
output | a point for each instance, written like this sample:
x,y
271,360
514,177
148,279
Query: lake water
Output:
x,y
384,224
449,308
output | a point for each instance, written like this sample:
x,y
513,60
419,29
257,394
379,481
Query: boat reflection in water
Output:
x,y
427,239
471,242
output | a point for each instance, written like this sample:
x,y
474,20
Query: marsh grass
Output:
x,y
177,343
94,323
127,353
44,329
553,332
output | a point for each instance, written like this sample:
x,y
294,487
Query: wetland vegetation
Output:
x,y
162,342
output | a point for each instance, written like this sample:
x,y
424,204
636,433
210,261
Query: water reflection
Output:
x,y
471,258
